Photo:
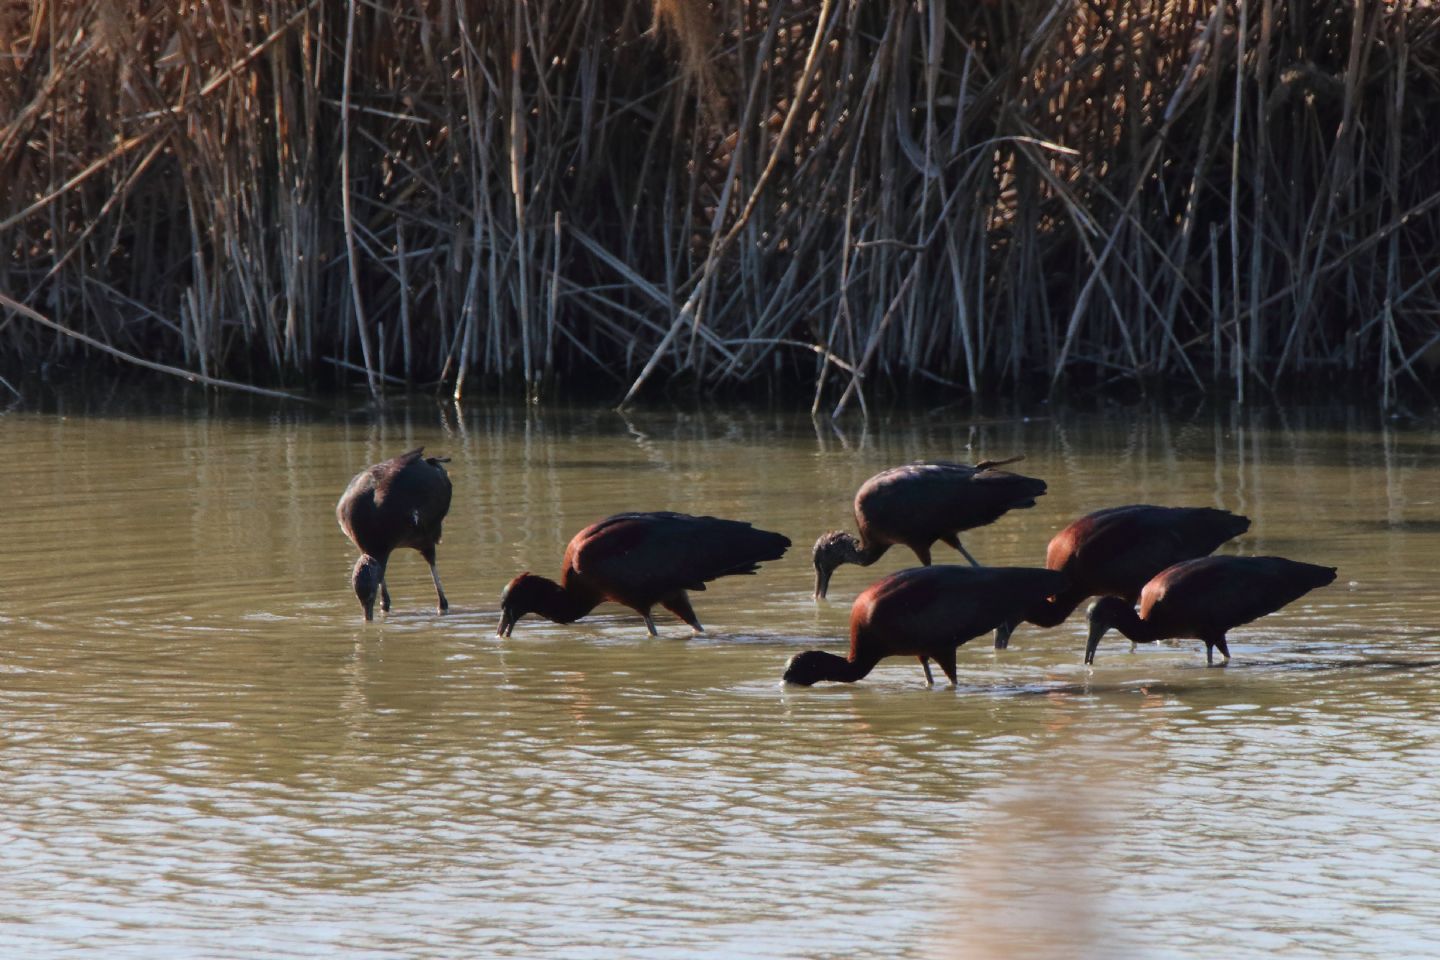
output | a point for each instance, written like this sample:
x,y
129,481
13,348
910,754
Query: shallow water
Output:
x,y
205,753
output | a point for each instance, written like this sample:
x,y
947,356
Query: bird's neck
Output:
x,y
863,551
1128,622
844,671
566,602
371,561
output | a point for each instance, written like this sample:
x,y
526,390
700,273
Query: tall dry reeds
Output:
x,y
844,194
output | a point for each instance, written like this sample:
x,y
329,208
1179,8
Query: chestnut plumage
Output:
x,y
1114,553
640,560
925,612
1204,599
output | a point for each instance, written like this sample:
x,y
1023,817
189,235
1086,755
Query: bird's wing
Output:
x,y
654,554
954,602
922,502
1123,549
1224,592
983,496
421,490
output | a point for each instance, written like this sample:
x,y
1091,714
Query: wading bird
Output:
x,y
639,560
926,612
1115,552
1204,599
918,504
398,503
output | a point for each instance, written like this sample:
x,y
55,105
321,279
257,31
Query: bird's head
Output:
x,y
525,594
1103,614
831,550
366,579
806,669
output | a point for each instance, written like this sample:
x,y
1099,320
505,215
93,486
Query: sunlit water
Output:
x,y
205,753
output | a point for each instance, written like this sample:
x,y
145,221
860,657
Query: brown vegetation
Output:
x,y
969,193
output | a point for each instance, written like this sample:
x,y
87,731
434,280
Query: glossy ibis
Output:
x,y
639,560
398,503
1115,552
918,504
1204,599
926,612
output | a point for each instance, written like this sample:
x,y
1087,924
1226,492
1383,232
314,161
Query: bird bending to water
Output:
x,y
1114,552
918,504
926,612
1204,599
639,560
398,503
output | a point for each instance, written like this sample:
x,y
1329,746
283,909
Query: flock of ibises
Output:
x,y
1156,556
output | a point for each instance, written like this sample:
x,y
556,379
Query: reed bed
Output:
x,y
848,195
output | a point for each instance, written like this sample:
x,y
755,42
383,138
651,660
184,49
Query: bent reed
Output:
x,y
843,194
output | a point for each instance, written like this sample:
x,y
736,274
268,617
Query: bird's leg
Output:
x,y
1211,646
384,598
923,553
946,661
954,541
649,623
929,677
441,604
678,603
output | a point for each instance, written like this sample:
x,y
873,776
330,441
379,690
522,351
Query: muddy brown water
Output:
x,y
205,753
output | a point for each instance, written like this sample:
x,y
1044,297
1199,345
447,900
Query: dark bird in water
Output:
x,y
398,503
1204,599
918,504
1115,552
926,612
639,560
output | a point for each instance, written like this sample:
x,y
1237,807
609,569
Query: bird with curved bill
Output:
x,y
927,613
1204,600
400,502
640,560
920,503
1116,551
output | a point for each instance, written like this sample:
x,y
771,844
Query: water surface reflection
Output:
x,y
197,732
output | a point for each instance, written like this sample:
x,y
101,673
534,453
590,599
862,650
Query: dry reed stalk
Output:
x,y
1230,192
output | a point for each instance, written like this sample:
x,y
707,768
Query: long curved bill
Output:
x,y
1002,635
507,623
1093,641
822,583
